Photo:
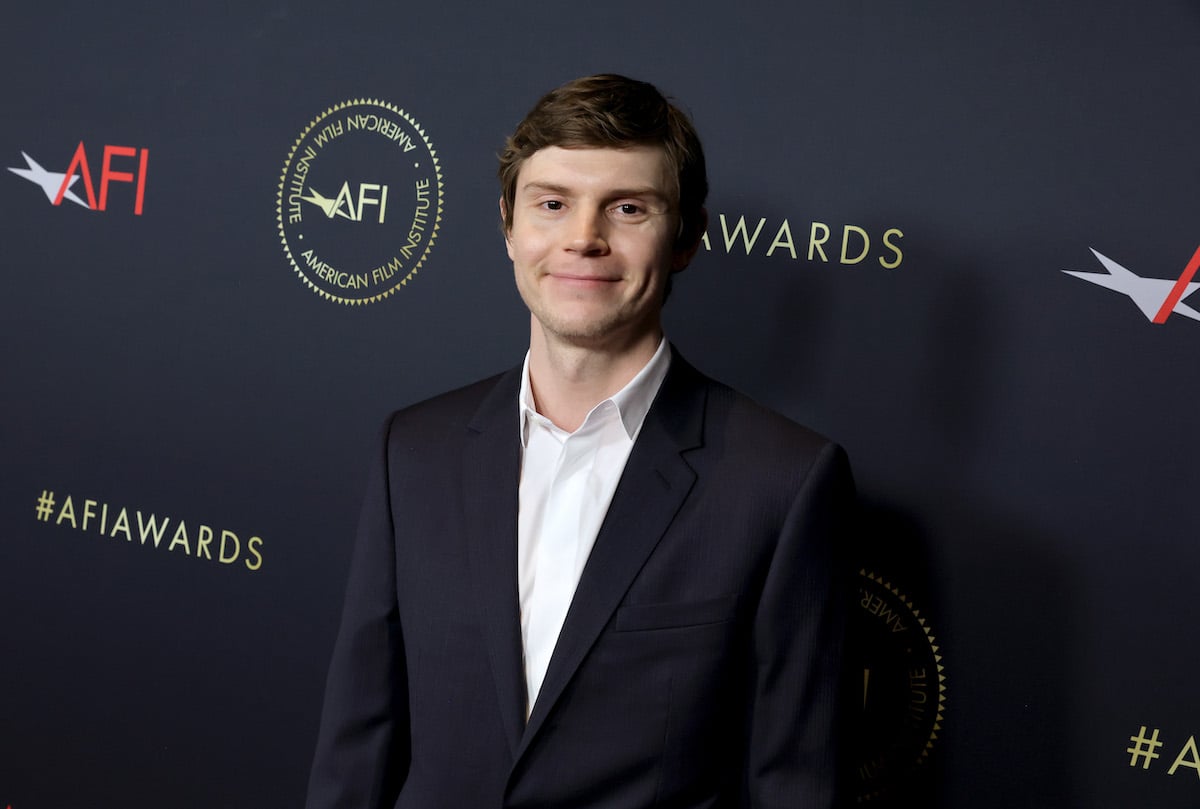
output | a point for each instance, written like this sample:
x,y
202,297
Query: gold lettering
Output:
x,y
385,271
180,538
252,546
150,526
67,512
866,248
420,217
344,197
740,230
89,511
814,243
1193,762
889,245
151,529
236,547
364,200
871,769
878,607
202,543
122,524
783,238
333,275
295,214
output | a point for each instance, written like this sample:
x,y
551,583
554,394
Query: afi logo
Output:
x,y
343,204
1157,298
58,186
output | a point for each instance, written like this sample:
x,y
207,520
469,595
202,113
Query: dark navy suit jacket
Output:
x,y
698,663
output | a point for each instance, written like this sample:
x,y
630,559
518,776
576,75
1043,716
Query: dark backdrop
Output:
x,y
1024,440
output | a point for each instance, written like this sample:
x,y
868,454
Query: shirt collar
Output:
x,y
632,401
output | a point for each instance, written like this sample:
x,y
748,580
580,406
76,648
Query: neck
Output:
x,y
569,380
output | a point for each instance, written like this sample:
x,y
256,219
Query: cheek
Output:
x,y
526,244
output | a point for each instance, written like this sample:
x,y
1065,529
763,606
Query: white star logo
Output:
x,y
1156,297
329,206
50,181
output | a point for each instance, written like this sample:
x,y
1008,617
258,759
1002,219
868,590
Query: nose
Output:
x,y
588,233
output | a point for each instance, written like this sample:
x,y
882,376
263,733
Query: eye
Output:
x,y
633,213
553,205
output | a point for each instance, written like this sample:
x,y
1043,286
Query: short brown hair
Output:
x,y
613,111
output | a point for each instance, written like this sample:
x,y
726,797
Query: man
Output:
x,y
600,579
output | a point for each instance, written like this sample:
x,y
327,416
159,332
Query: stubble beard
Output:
x,y
610,329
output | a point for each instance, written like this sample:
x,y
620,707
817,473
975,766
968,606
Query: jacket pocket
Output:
x,y
637,617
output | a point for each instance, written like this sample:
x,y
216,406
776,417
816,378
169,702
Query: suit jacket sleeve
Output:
x,y
797,640
363,745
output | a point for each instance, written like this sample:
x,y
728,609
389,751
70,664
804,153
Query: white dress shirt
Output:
x,y
567,482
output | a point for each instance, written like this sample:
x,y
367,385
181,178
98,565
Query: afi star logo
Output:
x,y
1157,298
343,204
58,186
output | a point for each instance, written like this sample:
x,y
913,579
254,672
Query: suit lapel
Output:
x,y
653,486
491,474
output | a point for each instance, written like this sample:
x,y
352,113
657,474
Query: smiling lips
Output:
x,y
582,278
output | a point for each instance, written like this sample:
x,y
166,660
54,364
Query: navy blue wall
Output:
x,y
1024,440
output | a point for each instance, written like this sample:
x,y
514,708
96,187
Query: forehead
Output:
x,y
597,169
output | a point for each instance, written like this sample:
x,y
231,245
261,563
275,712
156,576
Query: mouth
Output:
x,y
583,278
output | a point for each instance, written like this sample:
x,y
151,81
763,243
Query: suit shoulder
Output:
x,y
754,456
452,410
764,445
751,421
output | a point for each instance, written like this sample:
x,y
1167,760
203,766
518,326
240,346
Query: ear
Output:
x,y
504,228
685,252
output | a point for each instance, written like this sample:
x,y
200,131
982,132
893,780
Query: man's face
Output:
x,y
593,242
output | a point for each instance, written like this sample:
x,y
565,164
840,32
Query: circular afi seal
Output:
x,y
360,201
899,684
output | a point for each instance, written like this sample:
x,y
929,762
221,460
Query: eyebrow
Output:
x,y
616,193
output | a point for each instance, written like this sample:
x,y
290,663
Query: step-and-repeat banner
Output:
x,y
959,238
